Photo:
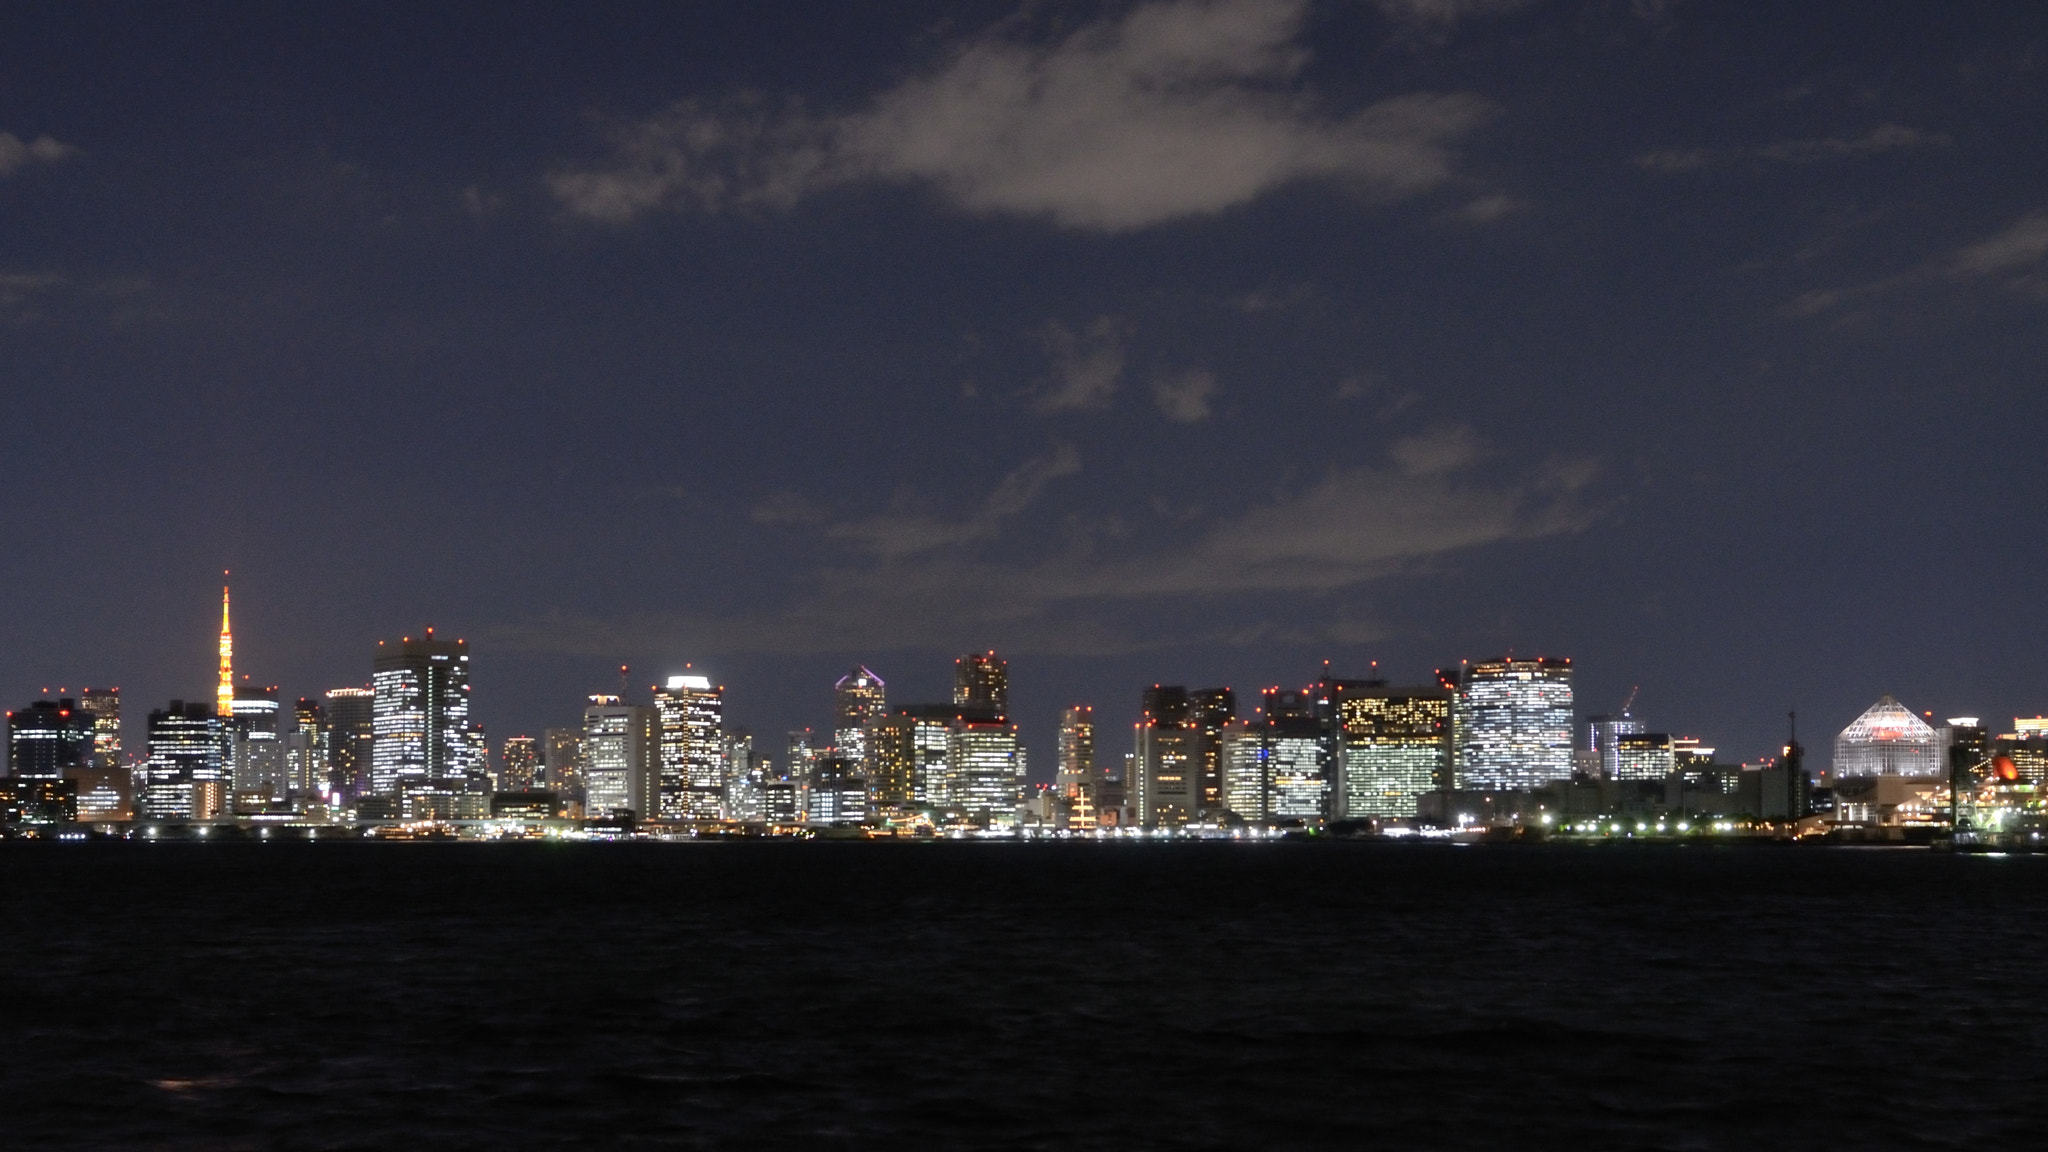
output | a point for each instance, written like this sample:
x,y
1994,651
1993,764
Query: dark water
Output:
x,y
1018,995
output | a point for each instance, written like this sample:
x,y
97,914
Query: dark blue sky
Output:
x,y
1188,342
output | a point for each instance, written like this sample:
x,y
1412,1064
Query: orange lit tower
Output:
x,y
224,696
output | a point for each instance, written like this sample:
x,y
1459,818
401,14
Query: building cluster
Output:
x,y
1494,745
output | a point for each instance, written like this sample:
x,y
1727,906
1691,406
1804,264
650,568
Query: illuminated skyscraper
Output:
x,y
1246,789
1298,780
255,750
981,683
985,770
1209,712
305,749
1393,745
746,780
519,764
420,720
104,707
561,754
224,694
621,758
892,760
692,713
858,697
1643,756
837,794
351,739
184,763
48,740
1602,733
1888,740
1166,788
1513,724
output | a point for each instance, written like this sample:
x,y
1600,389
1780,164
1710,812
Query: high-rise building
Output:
x,y
1393,745
892,760
837,794
519,764
1513,723
305,750
1166,789
351,740
692,712
621,758
1888,740
1602,735
1297,770
1643,756
1209,712
1246,789
858,697
48,740
802,753
561,753
746,779
985,769
183,779
255,748
103,705
981,684
1077,779
421,714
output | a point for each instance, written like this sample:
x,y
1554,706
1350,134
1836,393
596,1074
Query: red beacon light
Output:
x,y
2006,769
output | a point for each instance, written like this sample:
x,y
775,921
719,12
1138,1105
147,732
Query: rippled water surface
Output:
x,y
1020,995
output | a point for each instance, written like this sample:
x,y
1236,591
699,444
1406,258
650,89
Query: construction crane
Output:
x,y
1631,701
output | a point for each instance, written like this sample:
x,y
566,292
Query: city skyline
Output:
x,y
1281,331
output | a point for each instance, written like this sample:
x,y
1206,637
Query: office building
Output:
x,y
519,765
981,685
1076,780
1513,724
103,705
1642,756
562,761
420,714
801,753
858,697
255,747
1888,740
305,750
184,776
1296,768
1165,790
693,781
351,740
48,740
836,795
1392,745
985,770
1601,734
621,759
1210,710
1245,786
892,760
746,779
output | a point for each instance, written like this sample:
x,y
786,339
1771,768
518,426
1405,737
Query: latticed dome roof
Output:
x,y
1888,740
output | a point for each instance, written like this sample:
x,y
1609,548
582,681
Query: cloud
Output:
x,y
42,150
2015,249
1441,12
1184,398
786,509
2015,254
1177,109
926,582
1879,140
1087,366
906,532
1487,209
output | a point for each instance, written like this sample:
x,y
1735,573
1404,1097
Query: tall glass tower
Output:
x,y
420,715
692,712
981,683
1514,724
858,697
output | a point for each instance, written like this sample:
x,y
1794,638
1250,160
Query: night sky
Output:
x,y
1197,341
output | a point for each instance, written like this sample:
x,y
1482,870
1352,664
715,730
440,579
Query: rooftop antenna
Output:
x,y
622,682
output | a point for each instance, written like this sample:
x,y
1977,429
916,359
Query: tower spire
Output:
x,y
224,696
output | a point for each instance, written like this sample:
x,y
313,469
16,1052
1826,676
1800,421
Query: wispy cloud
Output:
x,y
1884,138
1176,109
16,154
913,580
1183,397
1087,365
2016,254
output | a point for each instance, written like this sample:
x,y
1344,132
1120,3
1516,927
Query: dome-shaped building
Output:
x,y
1888,740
